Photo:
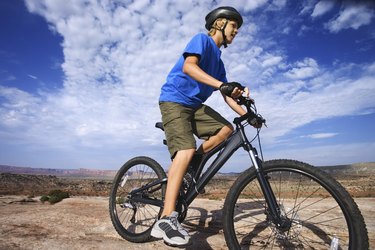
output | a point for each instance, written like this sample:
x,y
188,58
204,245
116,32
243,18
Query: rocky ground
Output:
x,y
359,185
83,223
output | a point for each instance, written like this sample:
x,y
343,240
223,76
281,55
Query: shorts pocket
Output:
x,y
169,112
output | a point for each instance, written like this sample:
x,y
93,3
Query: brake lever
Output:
x,y
242,100
265,124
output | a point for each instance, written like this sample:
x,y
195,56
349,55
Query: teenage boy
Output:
x,y
198,72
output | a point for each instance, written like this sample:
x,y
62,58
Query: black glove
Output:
x,y
227,88
256,121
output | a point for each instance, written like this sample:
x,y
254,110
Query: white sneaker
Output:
x,y
170,230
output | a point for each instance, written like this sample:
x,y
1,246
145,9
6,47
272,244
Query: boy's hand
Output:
x,y
256,122
233,89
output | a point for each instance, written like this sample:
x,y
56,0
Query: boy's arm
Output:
x,y
233,104
192,69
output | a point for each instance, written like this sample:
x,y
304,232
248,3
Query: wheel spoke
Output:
x,y
305,198
131,218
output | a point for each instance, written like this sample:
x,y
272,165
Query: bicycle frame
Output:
x,y
225,150
283,202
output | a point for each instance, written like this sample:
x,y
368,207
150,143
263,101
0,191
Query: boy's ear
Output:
x,y
219,23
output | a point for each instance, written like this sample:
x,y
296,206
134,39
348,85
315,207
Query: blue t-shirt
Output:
x,y
181,88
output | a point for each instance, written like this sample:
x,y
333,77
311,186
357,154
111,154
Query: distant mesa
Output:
x,y
357,168
80,172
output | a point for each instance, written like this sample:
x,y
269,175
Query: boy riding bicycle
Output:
x,y
197,73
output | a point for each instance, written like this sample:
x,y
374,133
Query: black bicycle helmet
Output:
x,y
223,12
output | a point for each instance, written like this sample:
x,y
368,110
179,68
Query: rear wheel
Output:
x,y
132,219
319,211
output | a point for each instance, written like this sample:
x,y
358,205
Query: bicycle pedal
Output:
x,y
126,205
186,181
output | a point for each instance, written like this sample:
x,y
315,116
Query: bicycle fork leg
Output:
x,y
269,196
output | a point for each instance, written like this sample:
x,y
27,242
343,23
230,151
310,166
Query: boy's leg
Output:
x,y
181,145
215,140
212,127
176,173
168,226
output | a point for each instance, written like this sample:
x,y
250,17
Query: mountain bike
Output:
x,y
283,204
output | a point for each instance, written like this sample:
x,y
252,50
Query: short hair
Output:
x,y
217,25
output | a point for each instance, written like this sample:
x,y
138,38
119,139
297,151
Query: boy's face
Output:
x,y
231,31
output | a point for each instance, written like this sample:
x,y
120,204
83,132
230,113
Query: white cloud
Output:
x,y
321,135
307,7
10,78
115,62
292,104
32,77
322,7
326,155
247,5
116,57
272,61
352,16
303,69
277,5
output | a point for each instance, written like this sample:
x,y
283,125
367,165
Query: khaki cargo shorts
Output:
x,y
182,123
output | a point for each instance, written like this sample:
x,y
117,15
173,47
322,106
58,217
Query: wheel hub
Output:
x,y
289,229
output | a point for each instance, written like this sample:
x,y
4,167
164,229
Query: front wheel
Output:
x,y
138,179
320,212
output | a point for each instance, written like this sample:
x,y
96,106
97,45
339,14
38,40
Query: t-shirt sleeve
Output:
x,y
195,47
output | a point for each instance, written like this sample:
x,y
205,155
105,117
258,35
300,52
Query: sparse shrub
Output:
x,y
59,193
120,200
44,198
54,196
54,199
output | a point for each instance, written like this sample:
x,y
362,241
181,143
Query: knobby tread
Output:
x,y
360,236
144,160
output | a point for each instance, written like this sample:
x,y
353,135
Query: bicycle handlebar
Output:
x,y
254,118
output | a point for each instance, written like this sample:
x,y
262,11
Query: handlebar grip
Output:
x,y
247,101
254,119
240,119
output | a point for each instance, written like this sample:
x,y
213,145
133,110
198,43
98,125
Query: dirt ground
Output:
x,y
84,223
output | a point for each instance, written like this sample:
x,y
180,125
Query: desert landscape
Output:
x,y
82,220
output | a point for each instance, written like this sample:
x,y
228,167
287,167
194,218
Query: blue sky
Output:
x,y
80,80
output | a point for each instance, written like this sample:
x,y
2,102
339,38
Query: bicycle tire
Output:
x,y
133,221
320,209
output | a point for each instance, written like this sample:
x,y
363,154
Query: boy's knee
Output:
x,y
227,130
230,126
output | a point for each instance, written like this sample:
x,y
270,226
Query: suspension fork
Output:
x,y
271,201
273,207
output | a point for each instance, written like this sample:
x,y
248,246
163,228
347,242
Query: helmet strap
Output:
x,y
223,32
